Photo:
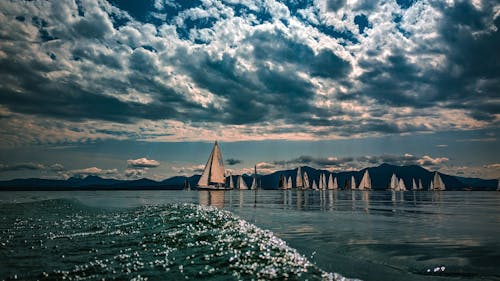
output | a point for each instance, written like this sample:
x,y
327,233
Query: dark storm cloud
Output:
x,y
30,166
316,161
232,161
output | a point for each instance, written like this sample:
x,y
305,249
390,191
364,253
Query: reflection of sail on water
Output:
x,y
213,176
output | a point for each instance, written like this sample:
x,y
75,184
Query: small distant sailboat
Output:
x,y
420,186
401,185
413,184
231,183
282,182
289,184
213,176
335,183
394,182
241,183
366,182
438,182
353,182
320,182
314,186
330,181
306,181
431,186
254,182
298,180
187,186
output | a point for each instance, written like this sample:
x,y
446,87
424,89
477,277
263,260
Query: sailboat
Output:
x,y
438,182
289,184
401,185
298,179
431,186
420,186
231,183
187,186
282,182
330,182
394,182
413,184
320,182
213,176
324,182
254,182
335,184
314,186
241,183
366,182
353,183
306,181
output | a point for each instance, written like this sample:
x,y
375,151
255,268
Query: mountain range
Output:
x,y
380,177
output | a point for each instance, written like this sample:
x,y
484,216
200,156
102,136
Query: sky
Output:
x,y
131,89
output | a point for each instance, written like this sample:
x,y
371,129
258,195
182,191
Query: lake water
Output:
x,y
264,234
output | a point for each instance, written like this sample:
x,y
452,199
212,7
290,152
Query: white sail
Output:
x,y
254,182
241,183
420,186
330,181
320,182
214,174
231,183
438,182
366,182
306,181
394,182
413,184
401,185
431,186
335,183
298,179
314,186
289,186
324,182
353,182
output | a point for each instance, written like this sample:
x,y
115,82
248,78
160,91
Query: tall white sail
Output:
x,y
324,182
320,182
314,186
298,179
254,182
394,182
330,181
335,183
366,182
413,184
231,183
431,186
438,182
289,186
401,185
306,181
353,182
214,174
420,186
241,183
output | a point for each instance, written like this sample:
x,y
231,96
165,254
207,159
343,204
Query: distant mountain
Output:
x,y
380,176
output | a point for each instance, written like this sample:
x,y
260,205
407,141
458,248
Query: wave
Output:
x,y
62,239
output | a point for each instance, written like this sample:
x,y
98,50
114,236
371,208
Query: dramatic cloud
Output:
x,y
92,171
31,166
143,163
175,71
232,161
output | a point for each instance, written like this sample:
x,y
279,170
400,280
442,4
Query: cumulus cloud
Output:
x,y
267,70
232,161
92,171
143,163
189,170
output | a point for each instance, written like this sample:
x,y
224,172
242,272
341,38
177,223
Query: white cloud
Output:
x,y
143,163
